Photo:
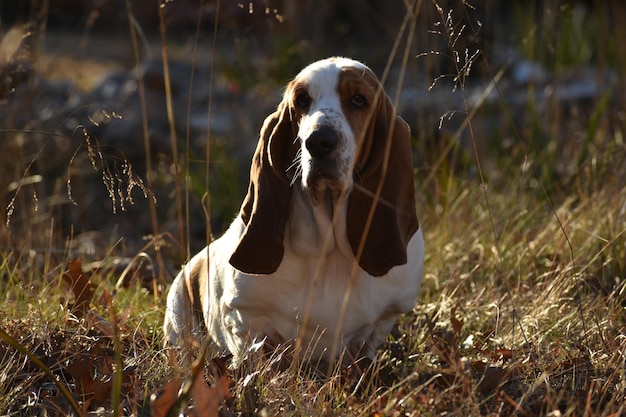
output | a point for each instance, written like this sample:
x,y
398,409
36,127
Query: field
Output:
x,y
518,122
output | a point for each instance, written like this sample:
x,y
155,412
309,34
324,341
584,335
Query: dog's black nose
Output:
x,y
321,142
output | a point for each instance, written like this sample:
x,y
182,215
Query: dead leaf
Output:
x,y
96,321
457,324
95,392
497,355
165,397
208,399
445,346
492,378
81,287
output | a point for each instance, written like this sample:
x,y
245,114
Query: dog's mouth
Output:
x,y
324,188
324,178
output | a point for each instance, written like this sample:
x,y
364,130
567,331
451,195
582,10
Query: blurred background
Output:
x,y
92,164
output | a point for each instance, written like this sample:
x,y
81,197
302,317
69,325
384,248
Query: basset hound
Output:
x,y
326,251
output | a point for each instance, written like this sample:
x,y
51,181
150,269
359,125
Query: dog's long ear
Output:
x,y
384,164
265,210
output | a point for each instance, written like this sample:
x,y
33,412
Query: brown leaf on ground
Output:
x,y
457,324
208,399
497,355
95,392
81,287
162,400
490,377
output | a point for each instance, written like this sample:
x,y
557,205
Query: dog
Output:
x,y
326,250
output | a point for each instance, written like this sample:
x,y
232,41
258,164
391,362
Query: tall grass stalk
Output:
x,y
134,28
172,131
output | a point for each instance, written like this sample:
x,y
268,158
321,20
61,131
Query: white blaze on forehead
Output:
x,y
338,62
326,71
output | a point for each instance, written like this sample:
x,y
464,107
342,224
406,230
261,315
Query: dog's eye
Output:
x,y
358,101
303,100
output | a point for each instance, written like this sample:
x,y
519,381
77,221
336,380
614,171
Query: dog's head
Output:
x,y
335,132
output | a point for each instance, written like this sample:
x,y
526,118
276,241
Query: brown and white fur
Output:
x,y
327,248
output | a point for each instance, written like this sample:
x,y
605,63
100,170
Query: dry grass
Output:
x,y
504,325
